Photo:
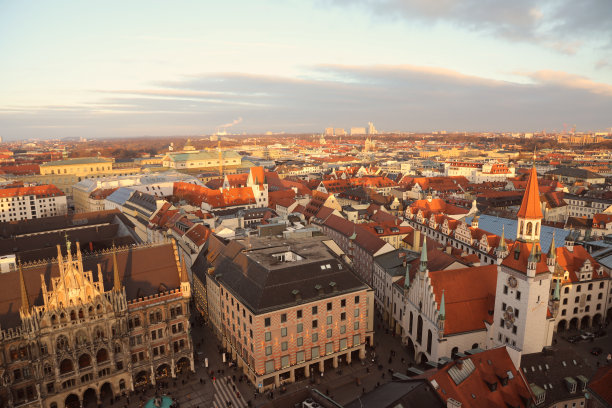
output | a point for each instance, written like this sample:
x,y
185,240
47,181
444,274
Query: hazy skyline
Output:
x,y
134,68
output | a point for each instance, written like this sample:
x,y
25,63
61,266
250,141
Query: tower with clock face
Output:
x,y
521,320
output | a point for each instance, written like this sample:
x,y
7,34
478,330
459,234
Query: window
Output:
x,y
355,340
284,346
315,324
284,318
513,329
300,341
300,327
356,299
505,290
315,337
577,299
268,350
299,314
314,310
501,322
516,312
329,333
268,336
356,312
269,366
283,332
343,303
563,312
503,306
343,329
565,301
356,326
518,295
267,322
299,357
329,306
329,348
329,319
314,352
343,316
578,288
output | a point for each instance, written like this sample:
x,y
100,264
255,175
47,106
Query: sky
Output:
x,y
135,68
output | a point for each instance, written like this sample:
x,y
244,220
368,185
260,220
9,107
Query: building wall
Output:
x,y
28,207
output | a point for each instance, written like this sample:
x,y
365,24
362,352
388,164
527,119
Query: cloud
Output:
x,y
403,97
551,23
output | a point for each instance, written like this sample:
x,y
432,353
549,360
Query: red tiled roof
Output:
x,y
530,207
473,391
520,264
469,295
198,234
601,220
572,262
48,190
600,384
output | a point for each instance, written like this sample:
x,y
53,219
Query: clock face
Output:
x,y
512,282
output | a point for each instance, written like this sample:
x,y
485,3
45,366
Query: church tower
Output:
x,y
521,319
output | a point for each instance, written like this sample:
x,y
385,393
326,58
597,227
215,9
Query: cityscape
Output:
x,y
300,212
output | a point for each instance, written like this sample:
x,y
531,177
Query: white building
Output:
x,y
26,203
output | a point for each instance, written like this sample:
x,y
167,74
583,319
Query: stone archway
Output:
x,y
411,349
72,401
66,366
183,365
142,378
573,324
84,361
163,371
90,398
106,393
562,326
101,356
596,320
585,322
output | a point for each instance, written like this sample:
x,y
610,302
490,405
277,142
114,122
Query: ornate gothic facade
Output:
x,y
82,328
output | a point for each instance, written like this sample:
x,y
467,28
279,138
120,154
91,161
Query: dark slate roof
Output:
x,y
406,394
264,284
392,262
143,200
560,365
574,172
144,271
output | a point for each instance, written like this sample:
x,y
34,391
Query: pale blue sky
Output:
x,y
122,68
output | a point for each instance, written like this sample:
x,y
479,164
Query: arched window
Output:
x,y
429,341
99,333
66,366
474,346
72,315
521,228
420,330
84,361
529,228
62,343
410,325
101,356
81,315
537,228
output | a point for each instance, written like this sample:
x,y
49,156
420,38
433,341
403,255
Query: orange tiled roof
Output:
x,y
469,295
48,190
572,262
520,264
473,391
530,207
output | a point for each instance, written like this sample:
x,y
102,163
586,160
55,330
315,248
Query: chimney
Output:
x,y
416,240
334,286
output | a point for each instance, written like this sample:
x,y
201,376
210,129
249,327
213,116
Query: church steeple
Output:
x,y
530,214
502,247
551,257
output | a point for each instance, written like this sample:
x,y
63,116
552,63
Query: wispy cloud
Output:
x,y
404,97
562,25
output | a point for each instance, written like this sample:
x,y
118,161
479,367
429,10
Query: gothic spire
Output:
x,y
407,278
423,265
502,241
442,311
116,279
552,252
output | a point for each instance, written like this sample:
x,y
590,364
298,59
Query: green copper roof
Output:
x,y
78,160
424,255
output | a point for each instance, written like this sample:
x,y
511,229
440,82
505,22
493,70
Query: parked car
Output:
x,y
574,339
587,336
596,351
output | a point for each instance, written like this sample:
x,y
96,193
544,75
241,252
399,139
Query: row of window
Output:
x,y
315,311
587,309
300,340
315,353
